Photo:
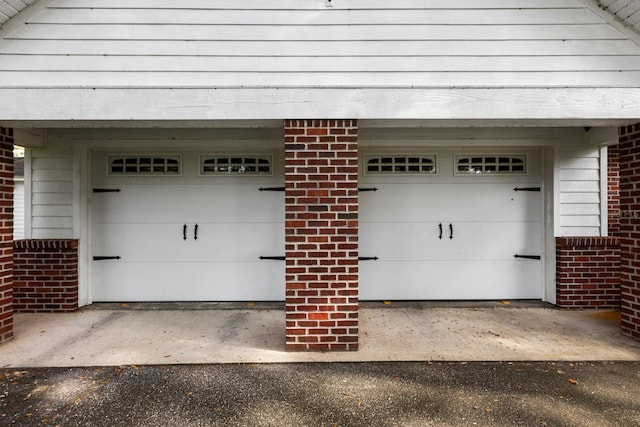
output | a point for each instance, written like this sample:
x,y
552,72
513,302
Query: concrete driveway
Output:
x,y
143,334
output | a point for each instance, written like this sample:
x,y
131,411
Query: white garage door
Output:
x,y
186,227
448,226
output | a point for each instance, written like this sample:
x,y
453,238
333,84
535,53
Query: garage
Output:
x,y
451,225
186,226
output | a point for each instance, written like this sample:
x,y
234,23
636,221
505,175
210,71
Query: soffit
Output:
x,y
627,11
10,8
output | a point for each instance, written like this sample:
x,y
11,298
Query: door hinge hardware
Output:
x,y
106,190
274,258
526,189
367,189
271,188
104,258
195,232
184,232
440,227
450,231
368,258
528,256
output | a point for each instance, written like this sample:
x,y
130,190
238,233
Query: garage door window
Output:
x,y
236,165
400,165
145,165
489,165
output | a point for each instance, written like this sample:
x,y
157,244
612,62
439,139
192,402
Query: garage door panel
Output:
x,y
165,242
448,280
471,240
452,202
195,281
143,225
226,203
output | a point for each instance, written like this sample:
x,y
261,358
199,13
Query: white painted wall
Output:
x,y
577,205
18,208
140,43
578,191
51,190
237,59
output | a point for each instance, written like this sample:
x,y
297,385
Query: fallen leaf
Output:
x,y
387,302
572,381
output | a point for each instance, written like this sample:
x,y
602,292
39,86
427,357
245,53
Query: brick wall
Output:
x,y
613,190
588,272
6,231
630,229
45,276
321,234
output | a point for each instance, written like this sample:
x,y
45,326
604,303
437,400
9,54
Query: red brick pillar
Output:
x,y
630,229
6,234
321,227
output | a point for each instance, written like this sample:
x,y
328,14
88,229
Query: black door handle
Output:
x,y
195,232
450,231
440,227
184,232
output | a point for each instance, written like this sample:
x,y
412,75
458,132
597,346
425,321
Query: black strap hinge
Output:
x,y
528,256
106,190
104,258
527,189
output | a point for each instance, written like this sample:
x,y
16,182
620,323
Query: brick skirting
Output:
x,y
45,276
588,272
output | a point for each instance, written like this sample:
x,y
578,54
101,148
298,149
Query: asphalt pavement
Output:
x,y
326,394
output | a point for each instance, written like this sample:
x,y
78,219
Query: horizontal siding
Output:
x,y
51,193
293,43
334,16
314,4
579,191
18,210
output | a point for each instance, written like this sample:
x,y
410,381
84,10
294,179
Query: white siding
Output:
x,y
578,177
292,43
51,193
18,209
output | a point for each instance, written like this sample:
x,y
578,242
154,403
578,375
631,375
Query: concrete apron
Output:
x,y
113,337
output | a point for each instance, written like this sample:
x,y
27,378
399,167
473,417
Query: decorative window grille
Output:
x,y
145,165
491,164
400,165
236,165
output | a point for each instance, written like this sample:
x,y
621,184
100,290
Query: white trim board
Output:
x,y
568,106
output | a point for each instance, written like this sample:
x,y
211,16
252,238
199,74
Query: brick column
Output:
x,y
321,228
6,231
630,229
